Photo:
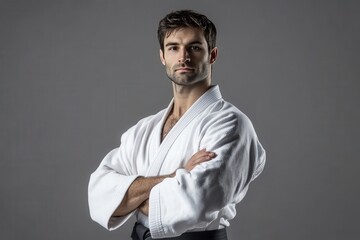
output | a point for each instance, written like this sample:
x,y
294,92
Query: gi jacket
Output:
x,y
202,199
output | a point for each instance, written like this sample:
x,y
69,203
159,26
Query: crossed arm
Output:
x,y
137,195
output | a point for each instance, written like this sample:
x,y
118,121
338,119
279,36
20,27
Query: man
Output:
x,y
182,170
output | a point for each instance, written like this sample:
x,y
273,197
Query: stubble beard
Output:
x,y
181,81
186,79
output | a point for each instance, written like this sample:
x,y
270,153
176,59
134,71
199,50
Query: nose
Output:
x,y
184,56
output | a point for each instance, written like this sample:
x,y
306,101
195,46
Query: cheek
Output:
x,y
202,59
168,67
203,62
168,60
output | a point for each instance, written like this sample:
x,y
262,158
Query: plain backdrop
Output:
x,y
76,74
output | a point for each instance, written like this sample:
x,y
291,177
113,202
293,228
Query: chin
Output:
x,y
188,83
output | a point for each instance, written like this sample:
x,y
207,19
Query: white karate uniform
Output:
x,y
202,199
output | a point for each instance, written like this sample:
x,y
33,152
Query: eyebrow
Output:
x,y
175,43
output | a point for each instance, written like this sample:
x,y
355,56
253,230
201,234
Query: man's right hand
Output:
x,y
199,157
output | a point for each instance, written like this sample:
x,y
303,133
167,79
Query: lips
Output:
x,y
184,69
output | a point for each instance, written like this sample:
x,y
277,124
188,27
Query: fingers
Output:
x,y
203,154
199,157
202,157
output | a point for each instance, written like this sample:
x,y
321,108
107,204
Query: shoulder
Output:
x,y
226,126
224,116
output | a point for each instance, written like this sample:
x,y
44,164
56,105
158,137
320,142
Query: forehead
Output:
x,y
185,36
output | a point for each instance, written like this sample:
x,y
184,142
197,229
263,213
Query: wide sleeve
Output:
x,y
109,183
194,200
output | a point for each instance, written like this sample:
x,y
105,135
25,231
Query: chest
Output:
x,y
170,122
181,150
155,141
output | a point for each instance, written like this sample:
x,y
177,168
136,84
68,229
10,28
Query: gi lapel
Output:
x,y
209,97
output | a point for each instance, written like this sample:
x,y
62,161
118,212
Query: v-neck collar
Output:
x,y
210,96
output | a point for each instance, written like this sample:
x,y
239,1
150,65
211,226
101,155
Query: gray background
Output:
x,y
76,74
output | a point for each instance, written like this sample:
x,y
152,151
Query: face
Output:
x,y
186,57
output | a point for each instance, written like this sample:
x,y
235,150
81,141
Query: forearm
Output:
x,y
137,194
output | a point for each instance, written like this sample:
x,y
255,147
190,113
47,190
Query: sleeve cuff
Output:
x,y
115,222
104,198
155,224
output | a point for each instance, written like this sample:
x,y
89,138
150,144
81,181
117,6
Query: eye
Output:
x,y
195,48
172,48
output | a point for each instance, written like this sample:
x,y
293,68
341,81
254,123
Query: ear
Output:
x,y
213,55
162,57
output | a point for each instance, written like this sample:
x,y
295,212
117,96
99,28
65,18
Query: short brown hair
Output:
x,y
183,19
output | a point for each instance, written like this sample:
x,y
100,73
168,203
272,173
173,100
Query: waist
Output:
x,y
140,232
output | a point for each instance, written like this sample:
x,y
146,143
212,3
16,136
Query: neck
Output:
x,y
185,96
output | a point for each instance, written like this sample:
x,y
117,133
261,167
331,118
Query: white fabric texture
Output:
x,y
202,199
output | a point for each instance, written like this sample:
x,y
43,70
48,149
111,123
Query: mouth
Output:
x,y
184,69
